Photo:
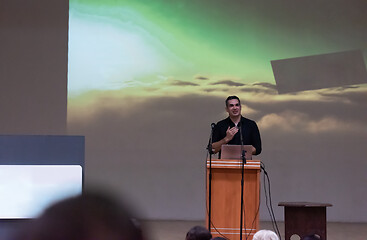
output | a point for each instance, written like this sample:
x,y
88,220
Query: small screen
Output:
x,y
26,190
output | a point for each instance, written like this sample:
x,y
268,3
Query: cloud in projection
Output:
x,y
323,110
229,83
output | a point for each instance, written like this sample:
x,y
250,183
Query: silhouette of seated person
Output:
x,y
90,216
198,233
311,237
219,238
265,235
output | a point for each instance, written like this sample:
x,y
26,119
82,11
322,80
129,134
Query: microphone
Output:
x,y
210,146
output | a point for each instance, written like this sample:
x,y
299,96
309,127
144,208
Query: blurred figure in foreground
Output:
x,y
265,235
90,216
198,233
311,237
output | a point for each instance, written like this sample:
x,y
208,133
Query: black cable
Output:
x,y
266,195
267,203
266,199
270,206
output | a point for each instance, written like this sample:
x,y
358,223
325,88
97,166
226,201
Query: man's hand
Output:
x,y
230,134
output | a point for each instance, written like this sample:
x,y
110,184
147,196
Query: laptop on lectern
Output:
x,y
235,152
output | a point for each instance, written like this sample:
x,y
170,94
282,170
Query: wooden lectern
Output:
x,y
226,198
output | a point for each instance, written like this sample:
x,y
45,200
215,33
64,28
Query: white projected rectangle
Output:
x,y
26,190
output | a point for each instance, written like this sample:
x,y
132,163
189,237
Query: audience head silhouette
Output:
x,y
198,233
88,216
311,237
265,235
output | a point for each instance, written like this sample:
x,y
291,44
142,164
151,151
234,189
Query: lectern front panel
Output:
x,y
226,198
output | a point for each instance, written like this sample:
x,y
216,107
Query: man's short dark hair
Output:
x,y
198,233
232,97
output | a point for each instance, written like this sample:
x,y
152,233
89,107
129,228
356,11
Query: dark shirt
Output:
x,y
250,133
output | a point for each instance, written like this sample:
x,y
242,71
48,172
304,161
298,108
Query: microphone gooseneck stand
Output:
x,y
210,150
242,177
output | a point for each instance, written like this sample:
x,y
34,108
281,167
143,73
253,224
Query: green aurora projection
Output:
x,y
180,47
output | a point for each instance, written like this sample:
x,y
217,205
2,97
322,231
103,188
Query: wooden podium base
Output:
x,y
226,198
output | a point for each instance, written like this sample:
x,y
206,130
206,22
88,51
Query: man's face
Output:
x,y
233,108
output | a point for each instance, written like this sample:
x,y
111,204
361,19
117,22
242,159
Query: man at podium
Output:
x,y
228,131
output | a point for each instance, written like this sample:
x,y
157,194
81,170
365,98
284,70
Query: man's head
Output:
x,y
91,215
233,106
265,235
231,98
312,237
198,233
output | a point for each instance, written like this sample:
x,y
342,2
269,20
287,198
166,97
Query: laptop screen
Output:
x,y
235,152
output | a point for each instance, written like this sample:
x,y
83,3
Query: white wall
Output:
x,y
33,66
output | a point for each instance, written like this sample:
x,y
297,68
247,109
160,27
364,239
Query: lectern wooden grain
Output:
x,y
226,198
